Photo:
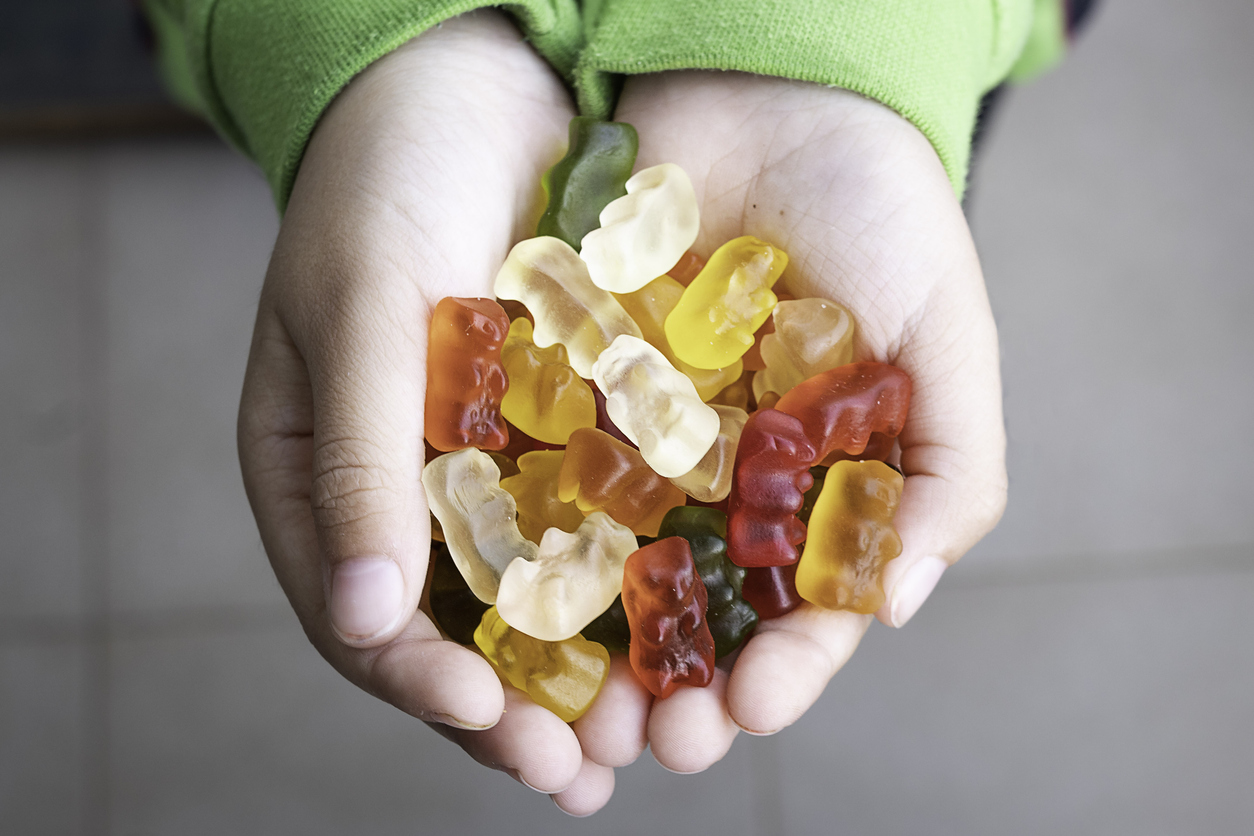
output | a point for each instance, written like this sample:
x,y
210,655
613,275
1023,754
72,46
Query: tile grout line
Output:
x,y
94,510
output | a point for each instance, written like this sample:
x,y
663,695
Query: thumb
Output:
x,y
367,376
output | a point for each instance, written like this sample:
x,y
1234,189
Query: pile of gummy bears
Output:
x,y
633,443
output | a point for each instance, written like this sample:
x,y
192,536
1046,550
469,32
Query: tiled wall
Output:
x,y
1088,669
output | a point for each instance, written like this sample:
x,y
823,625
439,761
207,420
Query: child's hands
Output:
x,y
859,200
416,183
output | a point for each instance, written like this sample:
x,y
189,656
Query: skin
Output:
x,y
415,184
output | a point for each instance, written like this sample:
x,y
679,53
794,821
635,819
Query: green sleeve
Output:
x,y
930,60
262,71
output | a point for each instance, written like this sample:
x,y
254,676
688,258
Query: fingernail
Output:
x,y
754,732
914,587
517,776
450,720
366,595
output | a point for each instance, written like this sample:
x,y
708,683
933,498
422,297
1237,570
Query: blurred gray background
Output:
x,y
1089,668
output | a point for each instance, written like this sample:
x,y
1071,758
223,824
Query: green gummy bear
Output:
x,y
593,173
730,617
812,496
455,608
610,628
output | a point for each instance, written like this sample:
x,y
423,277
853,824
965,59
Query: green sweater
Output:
x,y
263,71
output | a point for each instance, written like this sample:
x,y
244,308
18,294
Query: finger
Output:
x,y
691,730
417,672
784,668
614,730
589,792
531,744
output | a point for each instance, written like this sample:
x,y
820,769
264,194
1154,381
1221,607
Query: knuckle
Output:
x,y
350,484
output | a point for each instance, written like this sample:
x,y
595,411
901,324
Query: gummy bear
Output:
x,y
610,628
569,583
535,493
736,394
753,357
665,602
818,474
687,268
550,278
649,307
465,378
564,677
477,516
811,336
714,323
878,447
655,405
546,399
604,422
851,537
840,408
730,618
600,473
503,462
710,480
772,474
453,606
644,233
593,173
771,590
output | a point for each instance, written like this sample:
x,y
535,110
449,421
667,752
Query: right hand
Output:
x,y
415,184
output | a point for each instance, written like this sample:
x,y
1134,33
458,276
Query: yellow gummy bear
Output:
x,y
851,537
535,491
714,323
546,398
564,677
649,307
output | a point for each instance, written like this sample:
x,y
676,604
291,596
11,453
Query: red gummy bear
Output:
x,y
841,407
769,481
465,378
665,602
771,590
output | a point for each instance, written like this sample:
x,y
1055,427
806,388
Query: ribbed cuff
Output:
x,y
930,60
265,70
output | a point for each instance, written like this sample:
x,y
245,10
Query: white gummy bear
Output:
x,y
644,233
655,405
574,578
550,278
478,517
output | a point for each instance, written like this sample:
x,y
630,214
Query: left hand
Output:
x,y
857,197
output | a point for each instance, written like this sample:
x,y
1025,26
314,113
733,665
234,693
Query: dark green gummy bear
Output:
x,y
454,606
593,173
610,628
730,617
812,496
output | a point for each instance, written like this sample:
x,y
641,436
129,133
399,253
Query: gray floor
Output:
x,y
1089,668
